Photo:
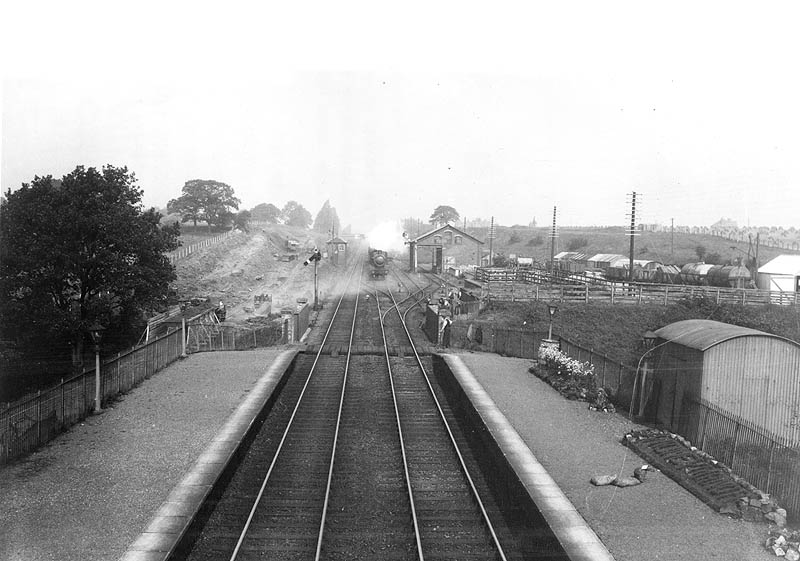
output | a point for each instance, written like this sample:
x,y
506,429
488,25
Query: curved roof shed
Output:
x,y
744,372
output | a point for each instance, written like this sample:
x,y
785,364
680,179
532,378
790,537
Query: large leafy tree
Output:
x,y
242,221
327,220
443,214
294,214
78,252
207,200
266,212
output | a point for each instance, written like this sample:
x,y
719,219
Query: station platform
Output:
x,y
97,489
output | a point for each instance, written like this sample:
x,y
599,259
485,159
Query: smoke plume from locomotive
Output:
x,y
387,236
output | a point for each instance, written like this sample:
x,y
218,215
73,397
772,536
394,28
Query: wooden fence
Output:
x,y
185,251
35,419
762,460
616,293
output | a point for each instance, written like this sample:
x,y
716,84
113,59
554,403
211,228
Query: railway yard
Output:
x,y
362,441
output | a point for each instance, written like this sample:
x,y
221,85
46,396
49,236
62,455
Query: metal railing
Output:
x,y
35,419
763,460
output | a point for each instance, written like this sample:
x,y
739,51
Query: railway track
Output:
x,y
360,457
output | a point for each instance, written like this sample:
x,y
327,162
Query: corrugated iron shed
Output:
x,y
702,334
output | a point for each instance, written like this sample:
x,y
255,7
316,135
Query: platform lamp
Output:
x,y
551,310
96,332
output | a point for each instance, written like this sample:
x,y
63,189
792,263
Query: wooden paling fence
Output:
x,y
35,419
189,249
633,294
762,460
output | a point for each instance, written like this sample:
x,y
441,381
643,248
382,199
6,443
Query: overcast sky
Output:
x,y
389,112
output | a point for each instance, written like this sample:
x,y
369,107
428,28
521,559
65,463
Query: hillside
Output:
x,y
616,330
244,265
659,246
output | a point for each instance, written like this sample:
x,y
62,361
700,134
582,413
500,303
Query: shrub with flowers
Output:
x,y
571,378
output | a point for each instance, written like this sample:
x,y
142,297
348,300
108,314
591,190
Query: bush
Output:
x,y
572,379
536,241
577,243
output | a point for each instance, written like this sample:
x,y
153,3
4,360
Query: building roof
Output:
x,y
336,240
782,265
607,257
442,229
703,334
570,255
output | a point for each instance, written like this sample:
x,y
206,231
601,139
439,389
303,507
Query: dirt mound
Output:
x,y
245,269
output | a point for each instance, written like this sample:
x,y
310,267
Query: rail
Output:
x,y
284,437
465,470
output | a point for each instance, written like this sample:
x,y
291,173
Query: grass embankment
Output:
x,y
616,330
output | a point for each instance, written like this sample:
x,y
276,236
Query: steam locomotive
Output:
x,y
377,263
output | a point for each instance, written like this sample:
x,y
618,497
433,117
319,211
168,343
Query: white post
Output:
x,y
97,408
183,337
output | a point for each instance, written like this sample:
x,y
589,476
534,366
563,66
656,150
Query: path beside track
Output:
x,y
91,491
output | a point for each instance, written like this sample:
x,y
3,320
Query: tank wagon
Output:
x,y
377,263
728,276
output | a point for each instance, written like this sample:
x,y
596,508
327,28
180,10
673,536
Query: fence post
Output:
x,y
62,400
769,465
586,294
38,417
613,290
666,295
735,444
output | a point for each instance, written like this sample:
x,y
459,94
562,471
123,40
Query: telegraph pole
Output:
x,y
553,237
672,240
491,240
632,233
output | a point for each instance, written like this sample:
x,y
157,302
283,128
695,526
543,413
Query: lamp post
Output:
x,y
96,332
183,306
551,309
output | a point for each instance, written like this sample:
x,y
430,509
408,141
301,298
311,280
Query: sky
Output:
x,y
499,109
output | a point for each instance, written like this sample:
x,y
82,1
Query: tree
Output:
x,y
294,214
266,212
327,220
442,215
577,243
205,199
700,250
80,251
242,221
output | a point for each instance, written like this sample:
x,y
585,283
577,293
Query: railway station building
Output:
x,y
742,373
442,247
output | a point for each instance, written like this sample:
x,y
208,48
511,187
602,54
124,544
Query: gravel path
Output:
x,y
658,520
91,491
